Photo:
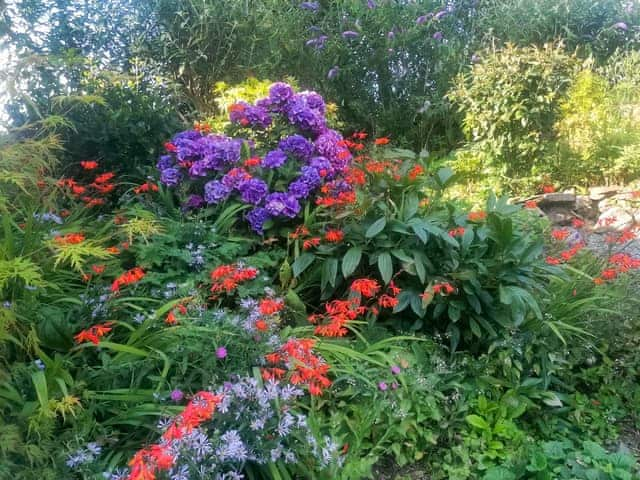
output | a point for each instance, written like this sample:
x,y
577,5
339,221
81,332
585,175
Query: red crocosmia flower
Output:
x,y
113,250
382,141
560,234
65,213
476,216
609,274
598,281
86,277
443,288
553,261
93,334
171,318
415,172
98,269
104,178
226,278
262,326
270,306
297,358
334,236
170,147
89,164
127,278
360,135
365,287
310,243
300,231
387,301
69,239
145,188
456,232
548,188
252,162
577,223
78,189
531,204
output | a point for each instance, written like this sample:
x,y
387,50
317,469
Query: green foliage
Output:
x,y
510,101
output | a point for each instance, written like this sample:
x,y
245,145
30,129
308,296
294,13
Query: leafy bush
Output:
x,y
510,102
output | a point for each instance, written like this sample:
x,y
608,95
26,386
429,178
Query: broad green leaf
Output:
x,y
302,263
351,260
385,265
375,228
477,422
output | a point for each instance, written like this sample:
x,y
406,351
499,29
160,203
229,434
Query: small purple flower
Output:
x,y
194,201
311,6
274,159
221,352
391,35
6,304
371,4
440,14
282,204
170,177
257,218
39,363
395,370
253,190
382,386
176,395
333,72
317,42
394,385
347,34
215,191
422,19
621,26
438,36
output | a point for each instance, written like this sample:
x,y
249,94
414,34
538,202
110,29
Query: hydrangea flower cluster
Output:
x,y
272,176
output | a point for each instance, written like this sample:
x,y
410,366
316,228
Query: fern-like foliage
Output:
x,y
79,254
142,226
23,269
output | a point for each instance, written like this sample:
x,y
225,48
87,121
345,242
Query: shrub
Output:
x,y
510,102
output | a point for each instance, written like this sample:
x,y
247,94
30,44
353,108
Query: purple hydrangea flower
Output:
x,y
280,93
253,190
258,117
333,72
170,177
350,34
296,145
304,117
274,159
198,169
165,161
257,218
313,100
215,191
282,204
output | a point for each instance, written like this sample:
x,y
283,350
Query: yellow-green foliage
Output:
x,y
78,254
142,226
597,127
